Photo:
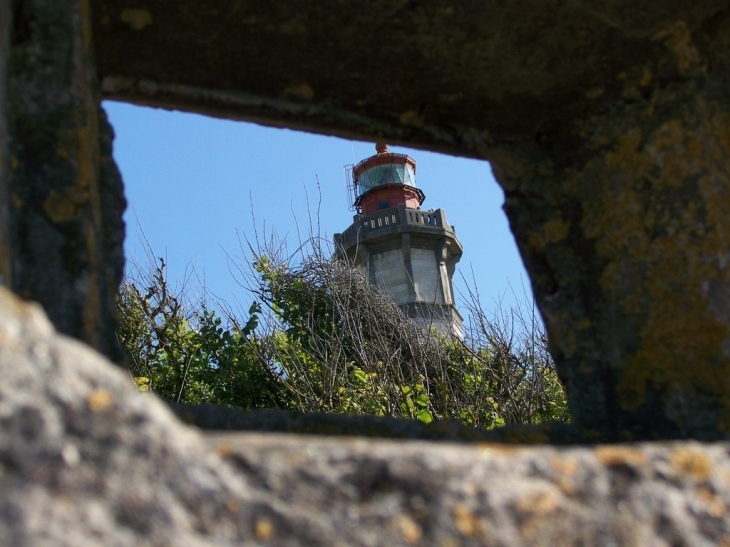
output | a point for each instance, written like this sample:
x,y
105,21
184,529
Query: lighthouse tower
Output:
x,y
409,253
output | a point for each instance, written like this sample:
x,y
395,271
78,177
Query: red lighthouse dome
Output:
x,y
386,180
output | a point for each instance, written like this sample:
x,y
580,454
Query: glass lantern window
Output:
x,y
391,173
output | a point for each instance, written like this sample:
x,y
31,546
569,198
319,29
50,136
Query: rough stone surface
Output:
x,y
455,77
5,260
86,460
65,235
606,125
364,492
627,244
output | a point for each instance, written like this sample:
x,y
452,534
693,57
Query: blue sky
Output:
x,y
191,182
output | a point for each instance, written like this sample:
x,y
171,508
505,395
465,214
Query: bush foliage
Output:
x,y
319,338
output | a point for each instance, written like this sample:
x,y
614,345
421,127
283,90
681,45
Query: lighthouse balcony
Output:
x,y
391,221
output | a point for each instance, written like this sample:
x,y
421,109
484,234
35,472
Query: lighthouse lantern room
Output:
x,y
384,181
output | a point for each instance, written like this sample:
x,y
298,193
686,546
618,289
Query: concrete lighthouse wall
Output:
x,y
411,255
427,277
391,275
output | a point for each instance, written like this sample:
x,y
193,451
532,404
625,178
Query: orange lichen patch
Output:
x,y
509,168
137,19
492,450
679,348
100,400
92,304
566,469
466,522
567,485
714,505
691,461
719,120
640,78
552,231
564,466
224,450
595,92
563,333
646,77
263,529
716,195
302,93
606,211
60,207
538,503
612,456
678,40
677,151
681,343
631,389
409,528
84,142
662,248
411,117
79,147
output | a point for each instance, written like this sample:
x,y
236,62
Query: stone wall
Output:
x,y
5,246
63,196
607,129
606,125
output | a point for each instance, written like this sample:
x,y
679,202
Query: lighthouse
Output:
x,y
409,253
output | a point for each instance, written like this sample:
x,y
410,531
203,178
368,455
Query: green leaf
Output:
x,y
425,416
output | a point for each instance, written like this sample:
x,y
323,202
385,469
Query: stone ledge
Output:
x,y
221,418
364,492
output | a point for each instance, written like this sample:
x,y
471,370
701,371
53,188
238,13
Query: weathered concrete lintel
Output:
x,y
281,113
470,61
588,182
607,129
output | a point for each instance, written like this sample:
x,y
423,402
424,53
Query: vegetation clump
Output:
x,y
319,338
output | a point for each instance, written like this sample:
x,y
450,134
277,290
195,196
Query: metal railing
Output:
x,y
397,217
